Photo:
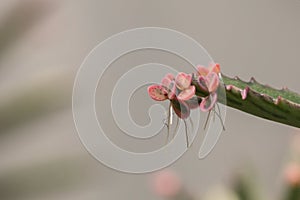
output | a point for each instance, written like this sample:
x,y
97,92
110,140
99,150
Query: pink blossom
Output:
x,y
166,184
292,174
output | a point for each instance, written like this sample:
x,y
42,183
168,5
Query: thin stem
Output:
x,y
186,134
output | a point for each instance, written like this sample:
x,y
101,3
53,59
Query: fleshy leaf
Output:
x,y
167,80
170,76
216,68
183,80
202,83
169,83
157,92
193,102
208,102
203,71
181,109
212,81
172,90
186,94
279,105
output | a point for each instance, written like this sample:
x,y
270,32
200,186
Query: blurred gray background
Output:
x,y
42,45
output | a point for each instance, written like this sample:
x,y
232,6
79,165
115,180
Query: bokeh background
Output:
x,y
42,45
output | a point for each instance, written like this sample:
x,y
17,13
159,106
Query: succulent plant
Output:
x,y
189,91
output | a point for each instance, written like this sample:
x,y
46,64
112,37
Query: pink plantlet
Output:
x,y
210,84
208,81
169,87
181,92
182,102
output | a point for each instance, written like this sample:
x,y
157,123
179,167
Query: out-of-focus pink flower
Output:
x,y
292,174
166,184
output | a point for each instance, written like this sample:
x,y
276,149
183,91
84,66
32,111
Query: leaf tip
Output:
x,y
252,80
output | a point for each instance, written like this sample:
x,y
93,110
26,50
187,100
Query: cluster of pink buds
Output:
x,y
184,90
